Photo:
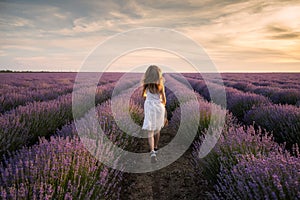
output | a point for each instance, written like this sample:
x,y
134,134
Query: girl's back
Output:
x,y
152,96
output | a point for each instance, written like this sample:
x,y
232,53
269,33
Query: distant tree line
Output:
x,y
5,71
11,71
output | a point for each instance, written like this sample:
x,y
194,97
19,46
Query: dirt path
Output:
x,y
176,181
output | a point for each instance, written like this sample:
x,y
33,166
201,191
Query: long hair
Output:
x,y
153,80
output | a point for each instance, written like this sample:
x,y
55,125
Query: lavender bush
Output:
x,y
21,88
282,96
57,169
277,95
272,176
190,121
234,141
237,102
183,91
12,99
244,86
276,80
282,120
23,125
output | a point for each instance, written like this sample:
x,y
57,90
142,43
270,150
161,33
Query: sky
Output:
x,y
238,36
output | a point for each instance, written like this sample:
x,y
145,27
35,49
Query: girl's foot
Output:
x,y
155,149
153,156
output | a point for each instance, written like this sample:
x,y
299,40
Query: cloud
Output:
x,y
276,29
286,36
281,31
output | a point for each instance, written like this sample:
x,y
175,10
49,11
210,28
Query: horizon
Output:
x,y
238,72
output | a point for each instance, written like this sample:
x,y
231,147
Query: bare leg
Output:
x,y
151,140
156,139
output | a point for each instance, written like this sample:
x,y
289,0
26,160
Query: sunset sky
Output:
x,y
238,36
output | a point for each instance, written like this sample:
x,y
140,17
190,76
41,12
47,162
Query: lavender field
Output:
x,y
256,157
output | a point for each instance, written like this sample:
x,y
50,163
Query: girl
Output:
x,y
154,107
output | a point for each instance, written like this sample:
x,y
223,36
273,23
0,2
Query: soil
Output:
x,y
175,181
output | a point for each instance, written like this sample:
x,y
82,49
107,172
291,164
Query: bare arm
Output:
x,y
144,94
164,100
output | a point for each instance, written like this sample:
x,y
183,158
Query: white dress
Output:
x,y
154,112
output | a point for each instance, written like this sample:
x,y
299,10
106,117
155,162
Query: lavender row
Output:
x,y
281,120
278,80
23,125
263,177
48,80
180,92
195,119
61,168
88,130
106,116
237,102
12,99
251,108
77,173
19,81
277,95
247,164
87,126
20,88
